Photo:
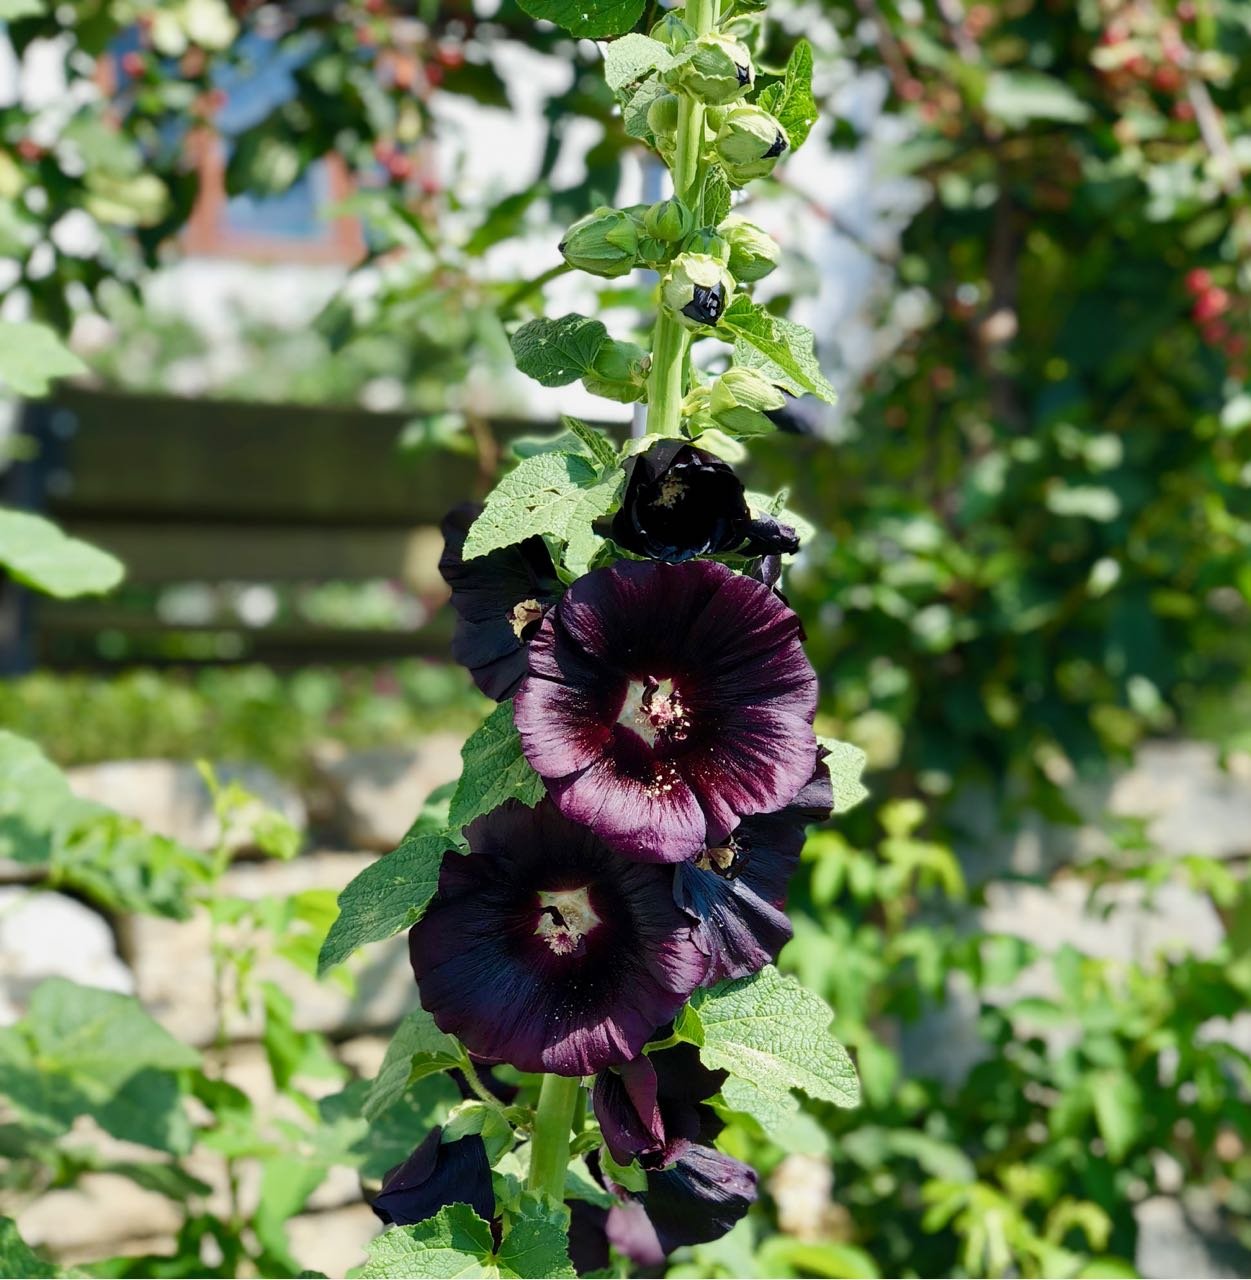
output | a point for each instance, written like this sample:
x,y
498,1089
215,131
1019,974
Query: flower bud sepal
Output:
x,y
604,243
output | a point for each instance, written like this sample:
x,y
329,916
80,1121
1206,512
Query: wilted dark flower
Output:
x,y
545,950
499,598
649,1109
698,1198
681,502
666,702
437,1174
735,891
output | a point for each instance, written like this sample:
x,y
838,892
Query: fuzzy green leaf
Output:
x,y
32,357
775,1034
18,1259
601,449
532,500
634,107
778,1115
581,541
845,763
790,99
494,770
35,552
717,196
417,1049
536,1245
389,895
594,19
777,349
557,352
632,58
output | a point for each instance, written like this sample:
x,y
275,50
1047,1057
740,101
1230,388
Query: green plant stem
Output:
x,y
549,1148
666,385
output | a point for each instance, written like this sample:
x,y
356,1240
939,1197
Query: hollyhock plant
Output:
x,y
665,703
736,890
436,1174
499,599
682,502
545,950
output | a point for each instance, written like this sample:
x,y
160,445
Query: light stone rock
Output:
x,y
173,967
170,798
165,1246
802,1186
378,793
333,1242
100,1209
363,1055
1178,1240
45,935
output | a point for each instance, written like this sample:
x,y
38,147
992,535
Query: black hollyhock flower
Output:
x,y
800,415
682,502
652,1108
665,703
437,1174
736,891
697,1198
500,599
545,950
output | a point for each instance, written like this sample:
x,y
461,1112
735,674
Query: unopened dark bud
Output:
x,y
697,290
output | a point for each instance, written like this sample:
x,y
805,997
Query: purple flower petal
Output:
x,y
665,703
437,1174
545,950
499,599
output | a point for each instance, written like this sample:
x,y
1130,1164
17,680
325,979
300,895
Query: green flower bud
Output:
x,y
654,253
739,400
708,240
662,115
605,242
749,143
619,372
753,252
697,290
672,32
714,117
697,411
718,69
669,220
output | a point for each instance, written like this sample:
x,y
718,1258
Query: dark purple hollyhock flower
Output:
x,y
800,415
652,1108
681,502
736,891
437,1174
546,950
697,1198
500,599
667,702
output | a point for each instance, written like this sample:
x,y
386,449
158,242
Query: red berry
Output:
x,y
134,64
1198,280
383,151
400,166
434,74
29,150
430,185
1138,67
1183,110
1167,79
451,56
1210,304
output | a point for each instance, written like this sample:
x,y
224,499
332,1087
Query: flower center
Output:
x,y
523,614
728,860
671,489
653,708
565,918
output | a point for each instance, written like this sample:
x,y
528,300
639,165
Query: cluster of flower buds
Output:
x,y
739,401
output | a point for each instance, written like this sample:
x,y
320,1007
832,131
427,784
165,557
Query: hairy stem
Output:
x,y
666,387
549,1148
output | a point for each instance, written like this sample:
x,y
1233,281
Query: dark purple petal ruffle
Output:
x,y
733,734
437,1174
491,637
495,971
735,893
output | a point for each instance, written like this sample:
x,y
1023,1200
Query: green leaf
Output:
x,y
532,500
845,763
12,10
557,352
494,769
717,197
16,1257
37,553
790,99
777,1114
775,1034
601,449
388,896
457,1243
417,1049
582,543
630,1176
594,19
1118,1111
1018,97
454,1243
633,58
777,349
634,107
32,357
